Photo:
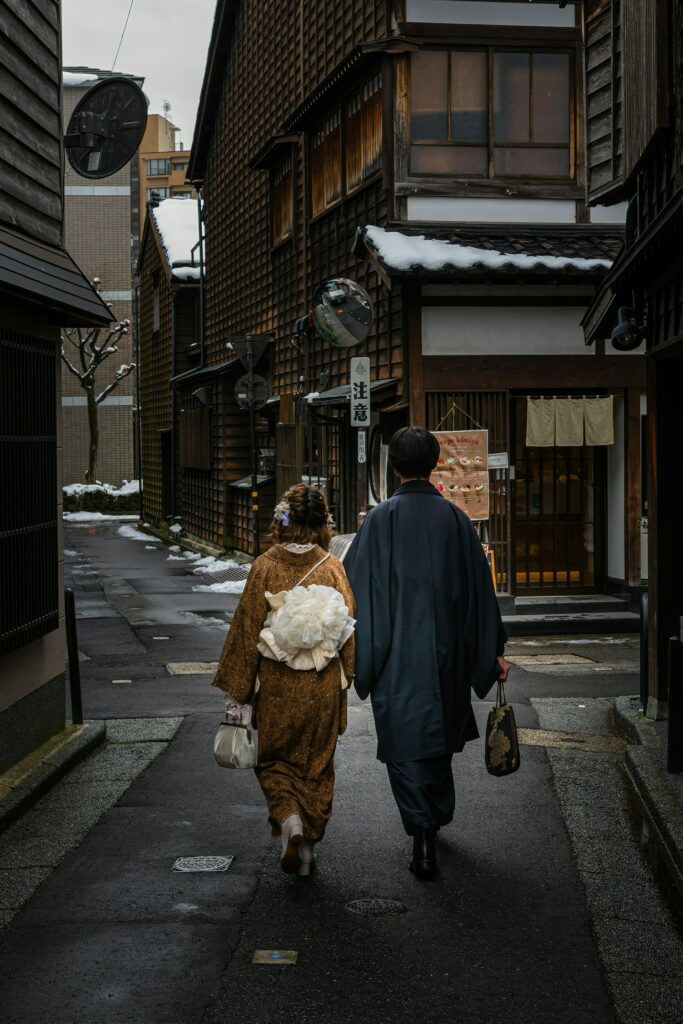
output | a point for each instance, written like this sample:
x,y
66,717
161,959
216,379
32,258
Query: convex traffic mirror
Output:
x,y
342,312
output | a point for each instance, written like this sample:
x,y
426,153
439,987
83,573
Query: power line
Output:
x,y
125,26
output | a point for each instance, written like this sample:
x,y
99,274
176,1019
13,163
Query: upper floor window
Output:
x,y
363,140
158,167
282,199
326,175
491,113
354,129
180,167
163,192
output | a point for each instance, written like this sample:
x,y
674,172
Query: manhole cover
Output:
x,y
191,668
231,575
375,907
195,864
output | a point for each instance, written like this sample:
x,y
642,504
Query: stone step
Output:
x,y
564,604
572,624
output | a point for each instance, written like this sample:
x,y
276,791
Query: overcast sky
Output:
x,y
165,42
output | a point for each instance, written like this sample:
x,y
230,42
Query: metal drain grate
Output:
x,y
375,907
234,574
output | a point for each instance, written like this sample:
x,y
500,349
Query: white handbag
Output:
x,y
235,746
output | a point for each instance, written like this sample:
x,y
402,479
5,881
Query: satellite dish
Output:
x,y
342,312
106,128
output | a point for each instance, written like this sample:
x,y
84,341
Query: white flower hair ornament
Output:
x,y
282,513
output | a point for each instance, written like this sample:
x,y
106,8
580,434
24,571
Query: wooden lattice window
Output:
x,y
363,128
326,170
282,199
492,113
195,438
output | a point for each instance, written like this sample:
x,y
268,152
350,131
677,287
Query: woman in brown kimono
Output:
x,y
298,714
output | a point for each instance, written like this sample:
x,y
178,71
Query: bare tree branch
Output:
x,y
122,372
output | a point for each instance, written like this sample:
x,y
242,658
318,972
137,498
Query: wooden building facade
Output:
x,y
395,126
634,67
41,289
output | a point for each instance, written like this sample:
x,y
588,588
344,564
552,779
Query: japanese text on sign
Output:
x,y
360,392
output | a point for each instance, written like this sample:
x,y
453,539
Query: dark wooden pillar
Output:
x,y
412,324
632,485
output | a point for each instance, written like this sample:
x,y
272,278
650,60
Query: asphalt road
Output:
x,y
507,932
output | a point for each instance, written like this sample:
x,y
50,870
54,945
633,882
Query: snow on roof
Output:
x,y
176,221
77,78
401,252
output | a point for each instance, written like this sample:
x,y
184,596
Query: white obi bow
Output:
x,y
306,627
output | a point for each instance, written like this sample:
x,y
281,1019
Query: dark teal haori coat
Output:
x,y
428,624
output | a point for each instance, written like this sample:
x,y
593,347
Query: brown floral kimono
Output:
x,y
299,715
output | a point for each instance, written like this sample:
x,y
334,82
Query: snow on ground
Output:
x,y
175,529
401,252
229,587
207,564
176,221
132,533
127,487
97,517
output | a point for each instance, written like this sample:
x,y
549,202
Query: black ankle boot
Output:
x,y
423,863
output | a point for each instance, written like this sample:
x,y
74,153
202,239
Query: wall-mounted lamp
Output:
x,y
627,335
203,395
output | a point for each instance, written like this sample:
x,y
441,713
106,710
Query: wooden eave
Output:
x,y
212,85
271,150
46,276
356,60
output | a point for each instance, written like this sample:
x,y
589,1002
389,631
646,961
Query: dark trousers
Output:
x,y
423,791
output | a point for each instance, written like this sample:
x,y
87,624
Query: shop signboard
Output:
x,y
461,474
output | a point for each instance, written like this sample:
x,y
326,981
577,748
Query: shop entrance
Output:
x,y
558,515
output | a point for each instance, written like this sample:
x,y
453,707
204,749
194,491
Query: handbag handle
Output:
x,y
500,694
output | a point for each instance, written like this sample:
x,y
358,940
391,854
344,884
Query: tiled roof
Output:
x,y
579,251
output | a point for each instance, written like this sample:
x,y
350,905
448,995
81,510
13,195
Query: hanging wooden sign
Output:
x,y
461,474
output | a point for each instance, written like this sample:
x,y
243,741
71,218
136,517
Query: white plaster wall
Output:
x,y
491,211
461,12
616,496
608,214
503,330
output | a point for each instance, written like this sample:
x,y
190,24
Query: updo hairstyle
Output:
x,y
308,518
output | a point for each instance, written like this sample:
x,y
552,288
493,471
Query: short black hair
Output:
x,y
413,451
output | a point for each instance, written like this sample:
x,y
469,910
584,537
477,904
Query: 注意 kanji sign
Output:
x,y
360,392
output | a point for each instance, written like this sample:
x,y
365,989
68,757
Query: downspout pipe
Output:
x,y
173,400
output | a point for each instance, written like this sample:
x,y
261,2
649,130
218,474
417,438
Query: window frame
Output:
x,y
288,157
341,108
568,181
156,161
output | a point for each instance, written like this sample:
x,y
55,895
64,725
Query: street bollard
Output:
x,y
674,745
644,650
72,649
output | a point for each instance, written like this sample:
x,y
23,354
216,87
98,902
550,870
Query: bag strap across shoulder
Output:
x,y
311,571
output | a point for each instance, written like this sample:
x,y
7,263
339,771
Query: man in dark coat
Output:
x,y
428,630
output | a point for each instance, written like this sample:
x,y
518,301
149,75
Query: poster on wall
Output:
x,y
461,473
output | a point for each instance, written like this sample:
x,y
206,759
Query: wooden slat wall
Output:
x,y
155,376
645,75
604,116
279,52
30,122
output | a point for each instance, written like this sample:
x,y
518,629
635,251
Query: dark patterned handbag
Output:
x,y
502,743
